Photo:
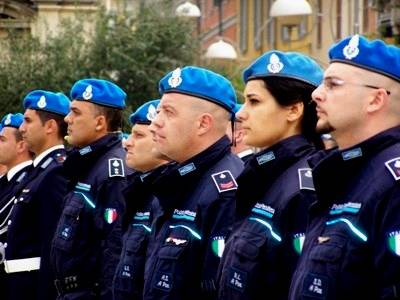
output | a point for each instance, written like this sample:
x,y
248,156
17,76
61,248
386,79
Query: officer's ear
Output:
x,y
205,123
101,123
295,111
50,126
377,100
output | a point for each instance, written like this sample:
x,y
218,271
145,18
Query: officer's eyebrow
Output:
x,y
248,95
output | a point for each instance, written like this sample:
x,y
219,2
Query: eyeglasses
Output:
x,y
331,83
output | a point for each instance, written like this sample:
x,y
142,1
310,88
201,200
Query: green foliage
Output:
x,y
134,52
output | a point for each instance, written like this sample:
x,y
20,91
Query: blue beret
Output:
x,y
98,91
12,120
56,103
375,56
292,65
201,83
145,113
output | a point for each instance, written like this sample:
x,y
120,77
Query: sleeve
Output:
x,y
219,222
108,221
50,194
386,243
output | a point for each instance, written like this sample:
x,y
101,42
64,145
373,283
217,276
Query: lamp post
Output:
x,y
221,49
188,9
285,8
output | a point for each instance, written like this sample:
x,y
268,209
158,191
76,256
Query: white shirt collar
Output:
x,y
245,153
39,158
14,170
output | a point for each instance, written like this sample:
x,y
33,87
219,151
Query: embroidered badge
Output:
x,y
66,232
218,245
46,163
115,167
305,179
298,242
186,169
350,154
349,207
351,50
176,241
110,215
323,239
275,65
237,279
393,166
126,271
142,216
88,93
85,150
151,112
224,181
315,286
266,157
175,79
394,242
60,158
184,214
7,121
163,281
264,210
42,102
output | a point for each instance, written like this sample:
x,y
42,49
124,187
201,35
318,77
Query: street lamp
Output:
x,y
284,8
188,9
221,49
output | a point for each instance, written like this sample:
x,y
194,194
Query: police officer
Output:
x,y
148,163
86,244
236,136
38,203
196,195
351,248
15,156
275,188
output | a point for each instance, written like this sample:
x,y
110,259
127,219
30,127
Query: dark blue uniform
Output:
x,y
351,247
275,192
129,275
197,204
8,189
31,226
87,242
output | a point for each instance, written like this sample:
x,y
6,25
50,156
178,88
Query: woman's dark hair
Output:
x,y
289,91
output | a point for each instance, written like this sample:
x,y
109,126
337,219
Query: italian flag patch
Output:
x,y
298,242
110,215
218,245
394,242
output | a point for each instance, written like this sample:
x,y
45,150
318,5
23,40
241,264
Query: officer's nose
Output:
x,y
129,142
241,115
67,118
156,122
22,128
318,95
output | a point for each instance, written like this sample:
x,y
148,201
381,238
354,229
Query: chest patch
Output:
x,y
393,166
116,167
224,181
305,179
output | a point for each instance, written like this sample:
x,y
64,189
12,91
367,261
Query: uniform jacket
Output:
x,y
129,275
86,244
275,191
31,225
196,214
351,247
